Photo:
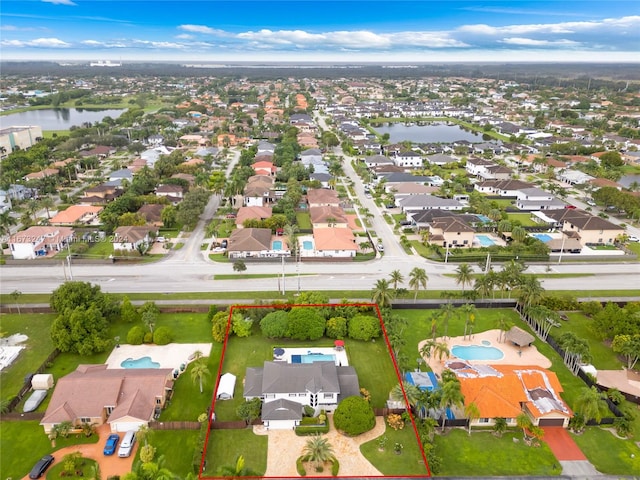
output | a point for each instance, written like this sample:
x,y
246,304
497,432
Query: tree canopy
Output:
x,y
354,416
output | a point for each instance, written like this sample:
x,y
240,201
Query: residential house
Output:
x,y
100,194
5,201
573,177
328,216
506,391
249,242
122,174
252,213
126,399
530,199
377,160
334,242
590,229
87,214
323,178
440,159
322,197
265,168
39,241
312,156
173,193
258,191
47,172
408,159
152,213
504,188
131,238
427,202
320,385
152,155
450,231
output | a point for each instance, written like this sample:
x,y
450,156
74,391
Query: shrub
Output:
x,y
354,416
275,324
162,336
308,411
148,337
135,336
591,308
363,327
337,327
556,303
305,324
300,467
395,421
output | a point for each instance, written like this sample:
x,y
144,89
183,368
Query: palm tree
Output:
x,y
447,312
411,391
382,294
483,285
518,234
524,422
237,470
47,203
504,325
469,309
396,278
530,291
427,349
6,222
318,450
441,351
472,412
417,278
500,426
450,395
464,275
15,295
198,372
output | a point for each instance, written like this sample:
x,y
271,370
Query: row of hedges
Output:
x,y
304,430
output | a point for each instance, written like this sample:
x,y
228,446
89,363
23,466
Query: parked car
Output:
x,y
126,447
39,468
224,243
591,202
404,223
633,238
380,247
160,239
112,443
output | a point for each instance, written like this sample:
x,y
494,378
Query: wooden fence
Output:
x,y
174,425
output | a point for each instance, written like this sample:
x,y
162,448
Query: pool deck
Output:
x,y
527,355
341,355
168,356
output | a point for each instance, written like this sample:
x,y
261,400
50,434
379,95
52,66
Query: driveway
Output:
x,y
109,466
285,447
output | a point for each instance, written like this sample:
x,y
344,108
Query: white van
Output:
x,y
127,444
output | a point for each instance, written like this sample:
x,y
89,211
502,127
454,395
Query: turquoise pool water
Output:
x,y
476,352
484,218
276,245
143,362
315,357
485,240
307,245
543,237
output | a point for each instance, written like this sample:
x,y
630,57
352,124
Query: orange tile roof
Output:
x,y
75,213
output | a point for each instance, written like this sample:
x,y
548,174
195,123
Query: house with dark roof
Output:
x,y
124,398
322,197
589,229
131,237
291,386
152,213
427,202
250,242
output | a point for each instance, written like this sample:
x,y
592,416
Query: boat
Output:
x,y
34,400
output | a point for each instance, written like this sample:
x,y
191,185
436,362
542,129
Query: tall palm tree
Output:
x,y
418,278
47,203
504,325
469,310
198,372
318,450
450,395
427,349
464,275
530,291
412,392
382,294
396,278
447,312
518,234
441,351
472,412
483,285
6,222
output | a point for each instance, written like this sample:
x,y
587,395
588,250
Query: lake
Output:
x,y
58,118
434,133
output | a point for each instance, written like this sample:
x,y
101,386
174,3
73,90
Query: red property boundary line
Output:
x,y
376,308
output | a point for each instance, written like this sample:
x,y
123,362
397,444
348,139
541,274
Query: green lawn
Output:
x,y
374,366
409,462
176,447
523,218
609,454
87,468
99,250
23,443
485,454
38,347
303,219
225,445
634,247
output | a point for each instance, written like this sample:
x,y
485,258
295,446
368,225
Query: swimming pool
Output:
x,y
307,245
485,240
143,362
477,352
484,218
276,245
543,237
313,357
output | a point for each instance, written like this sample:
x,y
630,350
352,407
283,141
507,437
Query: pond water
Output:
x,y
58,118
433,133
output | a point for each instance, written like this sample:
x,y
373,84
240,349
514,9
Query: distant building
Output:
x,y
18,137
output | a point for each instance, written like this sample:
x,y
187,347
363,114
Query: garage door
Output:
x,y
125,426
551,422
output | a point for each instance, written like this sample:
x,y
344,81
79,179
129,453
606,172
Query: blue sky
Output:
x,y
321,30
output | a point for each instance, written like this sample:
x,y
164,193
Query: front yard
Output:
x,y
225,446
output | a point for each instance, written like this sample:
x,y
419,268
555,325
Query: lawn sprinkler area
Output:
x,y
273,450
173,355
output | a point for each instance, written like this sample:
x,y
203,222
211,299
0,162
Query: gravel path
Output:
x,y
285,447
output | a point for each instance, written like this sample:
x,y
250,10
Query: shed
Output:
x,y
42,381
226,386
519,337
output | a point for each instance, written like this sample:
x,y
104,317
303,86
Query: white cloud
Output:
x,y
201,29
99,44
38,42
539,43
184,36
69,3
158,45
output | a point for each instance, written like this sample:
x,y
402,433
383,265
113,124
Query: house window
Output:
x,y
85,420
328,395
158,400
302,394
270,395
292,394
466,242
109,410
483,420
510,420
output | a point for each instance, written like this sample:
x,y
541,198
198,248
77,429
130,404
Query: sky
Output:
x,y
414,31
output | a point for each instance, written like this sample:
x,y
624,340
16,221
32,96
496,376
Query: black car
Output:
x,y
41,467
